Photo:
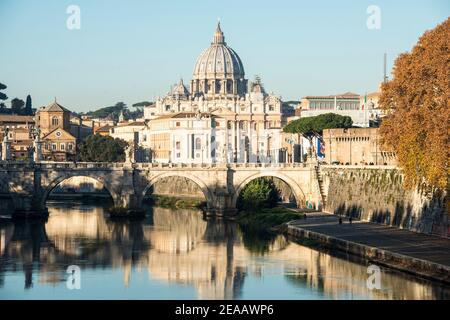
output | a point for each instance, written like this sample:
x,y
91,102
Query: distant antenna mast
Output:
x,y
384,69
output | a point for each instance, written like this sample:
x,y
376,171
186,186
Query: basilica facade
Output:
x,y
218,117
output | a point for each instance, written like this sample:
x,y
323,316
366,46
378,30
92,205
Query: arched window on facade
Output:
x,y
55,121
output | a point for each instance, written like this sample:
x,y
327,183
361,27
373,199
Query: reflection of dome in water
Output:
x,y
65,229
176,232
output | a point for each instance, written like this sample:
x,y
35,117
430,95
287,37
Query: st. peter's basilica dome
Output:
x,y
219,70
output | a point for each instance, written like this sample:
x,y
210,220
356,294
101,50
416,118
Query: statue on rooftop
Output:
x,y
6,135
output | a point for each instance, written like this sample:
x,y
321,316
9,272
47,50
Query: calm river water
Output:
x,y
178,254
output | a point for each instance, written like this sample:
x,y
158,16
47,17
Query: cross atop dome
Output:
x,y
218,38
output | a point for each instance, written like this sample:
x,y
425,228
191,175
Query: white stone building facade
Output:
x,y
362,109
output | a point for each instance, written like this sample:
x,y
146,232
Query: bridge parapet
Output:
x,y
64,165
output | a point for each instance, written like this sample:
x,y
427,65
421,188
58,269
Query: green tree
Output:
x,y
313,126
112,111
17,106
97,148
135,114
28,107
417,103
258,194
141,104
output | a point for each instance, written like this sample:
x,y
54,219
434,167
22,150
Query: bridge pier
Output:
x,y
130,202
28,207
222,205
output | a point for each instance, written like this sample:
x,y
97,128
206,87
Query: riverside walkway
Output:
x,y
409,251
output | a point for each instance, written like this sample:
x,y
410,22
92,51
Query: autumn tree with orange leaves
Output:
x,y
416,102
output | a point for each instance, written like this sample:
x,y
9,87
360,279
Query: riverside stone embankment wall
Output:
x,y
377,195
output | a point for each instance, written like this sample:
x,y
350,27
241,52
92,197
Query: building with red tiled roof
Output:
x,y
103,131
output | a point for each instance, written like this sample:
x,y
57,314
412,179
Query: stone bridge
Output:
x,y
29,184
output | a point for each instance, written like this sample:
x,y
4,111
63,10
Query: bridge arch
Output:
x,y
207,193
296,189
57,181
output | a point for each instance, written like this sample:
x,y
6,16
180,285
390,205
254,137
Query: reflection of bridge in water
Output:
x,y
29,185
181,247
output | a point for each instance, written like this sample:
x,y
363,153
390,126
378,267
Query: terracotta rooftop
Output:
x,y
104,128
16,118
20,130
54,106
134,123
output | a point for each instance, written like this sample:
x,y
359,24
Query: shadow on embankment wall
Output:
x,y
378,195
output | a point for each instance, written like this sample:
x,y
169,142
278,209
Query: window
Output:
x,y
271,108
198,144
58,134
168,108
178,124
55,121
62,146
177,145
53,146
70,147
229,86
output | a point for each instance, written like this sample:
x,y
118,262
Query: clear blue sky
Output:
x,y
134,50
